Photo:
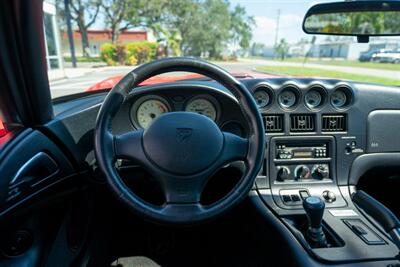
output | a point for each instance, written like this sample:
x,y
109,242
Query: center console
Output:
x,y
301,188
301,167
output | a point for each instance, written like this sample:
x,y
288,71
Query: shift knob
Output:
x,y
314,207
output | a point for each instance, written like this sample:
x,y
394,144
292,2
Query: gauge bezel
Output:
x,y
208,98
268,90
349,97
135,106
297,93
323,93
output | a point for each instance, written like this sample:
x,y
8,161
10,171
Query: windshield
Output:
x,y
91,44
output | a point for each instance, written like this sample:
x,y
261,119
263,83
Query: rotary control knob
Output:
x,y
283,174
329,196
302,172
320,171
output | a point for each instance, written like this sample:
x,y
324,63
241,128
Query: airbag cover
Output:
x,y
183,142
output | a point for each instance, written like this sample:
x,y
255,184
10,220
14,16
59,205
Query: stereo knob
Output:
x,y
329,196
283,174
302,172
320,171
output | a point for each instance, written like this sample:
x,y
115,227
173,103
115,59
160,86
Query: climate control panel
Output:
x,y
302,159
303,172
302,166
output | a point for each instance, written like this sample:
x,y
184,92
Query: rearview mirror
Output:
x,y
354,18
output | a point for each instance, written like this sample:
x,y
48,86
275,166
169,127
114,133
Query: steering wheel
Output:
x,y
182,150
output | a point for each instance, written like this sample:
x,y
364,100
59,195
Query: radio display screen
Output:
x,y
302,154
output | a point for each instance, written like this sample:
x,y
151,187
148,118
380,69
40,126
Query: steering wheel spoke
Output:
x,y
182,190
185,212
235,148
129,146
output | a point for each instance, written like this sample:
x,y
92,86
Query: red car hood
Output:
x,y
111,81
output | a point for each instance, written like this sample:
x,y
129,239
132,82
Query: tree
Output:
x,y
84,13
116,13
282,49
182,17
217,22
157,16
70,33
257,49
241,26
204,26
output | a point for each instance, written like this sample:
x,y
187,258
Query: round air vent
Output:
x,y
263,96
289,97
315,97
342,97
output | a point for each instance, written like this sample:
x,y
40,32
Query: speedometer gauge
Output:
x,y
149,110
202,106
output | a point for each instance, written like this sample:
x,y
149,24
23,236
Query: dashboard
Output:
x,y
149,106
322,135
314,127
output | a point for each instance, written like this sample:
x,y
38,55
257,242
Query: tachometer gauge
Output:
x,y
313,99
202,106
339,99
287,99
149,110
262,98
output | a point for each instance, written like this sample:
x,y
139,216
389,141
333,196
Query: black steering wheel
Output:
x,y
182,150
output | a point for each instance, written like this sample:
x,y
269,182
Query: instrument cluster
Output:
x,y
149,107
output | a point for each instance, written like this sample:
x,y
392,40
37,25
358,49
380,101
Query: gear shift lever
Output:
x,y
314,207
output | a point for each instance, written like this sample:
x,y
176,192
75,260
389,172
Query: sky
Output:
x,y
265,13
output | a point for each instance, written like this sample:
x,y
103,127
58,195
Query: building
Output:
x,y
299,50
98,37
343,50
349,50
384,44
52,40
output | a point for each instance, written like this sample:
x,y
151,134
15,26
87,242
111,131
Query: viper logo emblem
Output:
x,y
183,135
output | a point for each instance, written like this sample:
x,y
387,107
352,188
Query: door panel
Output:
x,y
35,178
32,164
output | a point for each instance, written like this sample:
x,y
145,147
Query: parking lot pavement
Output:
x,y
80,83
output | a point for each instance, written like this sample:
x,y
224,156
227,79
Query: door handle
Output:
x,y
38,167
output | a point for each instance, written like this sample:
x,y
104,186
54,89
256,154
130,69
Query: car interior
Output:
x,y
219,170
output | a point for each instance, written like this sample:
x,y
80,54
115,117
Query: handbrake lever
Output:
x,y
380,213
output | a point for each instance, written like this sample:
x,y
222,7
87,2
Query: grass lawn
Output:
x,y
84,59
300,71
338,62
369,65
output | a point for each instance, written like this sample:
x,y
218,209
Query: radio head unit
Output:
x,y
292,151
